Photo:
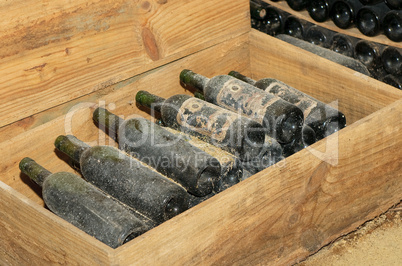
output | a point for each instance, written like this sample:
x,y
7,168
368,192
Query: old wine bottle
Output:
x,y
370,2
85,206
395,81
308,138
319,36
297,5
369,19
232,132
296,27
169,154
369,53
281,120
126,179
391,58
270,154
394,4
343,44
343,12
322,118
231,170
392,25
326,53
319,9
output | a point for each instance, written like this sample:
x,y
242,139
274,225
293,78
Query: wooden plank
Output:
x,y
32,235
357,95
290,210
62,50
36,141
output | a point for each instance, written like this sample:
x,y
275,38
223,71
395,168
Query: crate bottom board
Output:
x,y
280,215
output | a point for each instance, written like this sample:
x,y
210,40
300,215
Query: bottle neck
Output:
x,y
193,80
71,146
35,171
237,75
107,121
149,100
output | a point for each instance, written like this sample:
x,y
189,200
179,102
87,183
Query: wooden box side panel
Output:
x,y
31,235
355,94
290,210
56,51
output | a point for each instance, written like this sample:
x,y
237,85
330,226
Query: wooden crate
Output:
x,y
60,59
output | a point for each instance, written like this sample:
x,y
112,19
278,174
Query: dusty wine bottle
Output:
x,y
343,12
319,9
369,53
297,5
281,120
392,25
395,81
326,53
308,138
391,58
231,170
232,132
343,44
85,206
296,27
126,179
170,155
369,19
322,118
394,4
257,11
319,36
275,20
270,154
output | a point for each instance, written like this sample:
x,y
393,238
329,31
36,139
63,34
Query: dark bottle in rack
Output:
x,y
187,165
343,44
230,131
85,206
343,12
319,36
392,25
297,5
391,58
326,53
369,53
127,179
369,19
319,9
308,138
322,118
395,81
274,20
257,11
394,4
296,27
280,119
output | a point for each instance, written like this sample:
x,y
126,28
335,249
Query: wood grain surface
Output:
x,y
53,52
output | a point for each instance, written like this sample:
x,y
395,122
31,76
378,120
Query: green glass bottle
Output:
x,y
85,206
232,132
127,179
281,119
169,154
322,118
